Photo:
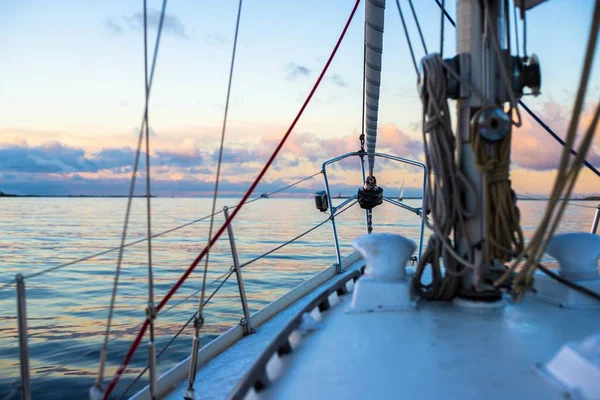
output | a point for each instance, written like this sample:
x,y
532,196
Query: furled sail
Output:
x,y
374,16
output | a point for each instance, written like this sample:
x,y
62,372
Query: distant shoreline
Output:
x,y
68,196
300,195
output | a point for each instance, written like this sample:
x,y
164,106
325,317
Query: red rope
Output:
x,y
178,284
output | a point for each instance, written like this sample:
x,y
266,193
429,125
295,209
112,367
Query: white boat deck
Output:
x,y
218,377
440,351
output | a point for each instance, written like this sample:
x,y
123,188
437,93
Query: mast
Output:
x,y
479,68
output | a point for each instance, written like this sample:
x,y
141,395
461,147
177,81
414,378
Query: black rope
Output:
x,y
556,137
418,26
412,53
362,128
448,17
566,282
531,113
442,29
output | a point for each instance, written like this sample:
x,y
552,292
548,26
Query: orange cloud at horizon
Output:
x,y
190,153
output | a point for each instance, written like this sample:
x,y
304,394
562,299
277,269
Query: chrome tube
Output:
x,y
595,221
247,325
418,211
22,326
152,368
364,180
342,204
189,394
400,204
339,158
338,268
423,211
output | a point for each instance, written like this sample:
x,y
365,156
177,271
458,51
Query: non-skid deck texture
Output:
x,y
218,377
441,351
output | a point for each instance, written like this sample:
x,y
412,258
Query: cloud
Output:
x,y
57,168
534,149
172,25
114,26
179,159
338,80
235,155
214,38
50,157
56,158
293,71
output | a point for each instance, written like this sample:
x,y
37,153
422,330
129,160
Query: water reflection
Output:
x,y
67,308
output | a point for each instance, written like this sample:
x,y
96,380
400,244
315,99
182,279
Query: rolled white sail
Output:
x,y
374,17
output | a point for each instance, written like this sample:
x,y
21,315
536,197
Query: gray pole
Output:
x,y
595,222
479,68
22,325
247,325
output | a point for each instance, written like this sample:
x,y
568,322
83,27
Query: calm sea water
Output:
x,y
67,309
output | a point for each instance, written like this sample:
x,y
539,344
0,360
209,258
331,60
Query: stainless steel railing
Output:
x,y
595,220
398,203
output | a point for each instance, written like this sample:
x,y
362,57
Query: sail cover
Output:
x,y
374,16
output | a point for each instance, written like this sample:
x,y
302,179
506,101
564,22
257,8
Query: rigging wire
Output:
x,y
567,173
557,138
229,273
150,315
199,315
220,231
408,41
177,334
442,29
567,282
362,131
418,26
104,350
154,236
531,113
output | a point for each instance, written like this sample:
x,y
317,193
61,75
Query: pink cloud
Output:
x,y
533,148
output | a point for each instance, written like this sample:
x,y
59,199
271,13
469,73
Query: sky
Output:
x,y
72,94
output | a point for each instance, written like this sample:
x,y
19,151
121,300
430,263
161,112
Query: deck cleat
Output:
x,y
385,286
577,255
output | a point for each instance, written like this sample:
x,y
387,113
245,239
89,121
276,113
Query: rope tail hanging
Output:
x,y
503,234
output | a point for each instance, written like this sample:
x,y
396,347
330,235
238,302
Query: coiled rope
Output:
x,y
443,199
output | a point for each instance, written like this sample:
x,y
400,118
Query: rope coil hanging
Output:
x,y
443,193
502,230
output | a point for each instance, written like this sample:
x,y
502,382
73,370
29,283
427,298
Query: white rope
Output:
x,y
442,195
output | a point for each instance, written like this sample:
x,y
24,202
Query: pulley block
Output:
x,y
370,195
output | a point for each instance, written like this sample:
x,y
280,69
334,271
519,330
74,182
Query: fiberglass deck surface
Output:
x,y
440,351
219,376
